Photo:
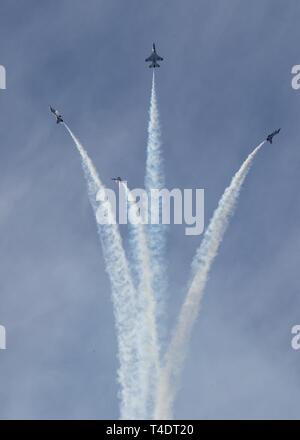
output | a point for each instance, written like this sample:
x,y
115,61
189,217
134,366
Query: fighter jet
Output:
x,y
117,179
154,58
270,137
57,115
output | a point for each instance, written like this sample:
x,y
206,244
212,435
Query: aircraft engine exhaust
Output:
x,y
146,307
155,179
201,266
124,295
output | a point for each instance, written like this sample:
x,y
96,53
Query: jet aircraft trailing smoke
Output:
x,y
58,116
154,58
270,137
201,266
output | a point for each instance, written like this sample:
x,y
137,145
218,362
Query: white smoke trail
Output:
x,y
154,179
201,266
149,366
123,293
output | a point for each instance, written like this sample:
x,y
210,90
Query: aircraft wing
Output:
x,y
159,58
149,58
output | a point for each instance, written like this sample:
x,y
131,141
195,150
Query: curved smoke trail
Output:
x,y
155,179
201,266
149,366
123,292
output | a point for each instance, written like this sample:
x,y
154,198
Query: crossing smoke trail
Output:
x,y
154,179
149,365
201,266
123,291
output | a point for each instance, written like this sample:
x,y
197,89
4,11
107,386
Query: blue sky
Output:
x,y
224,85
